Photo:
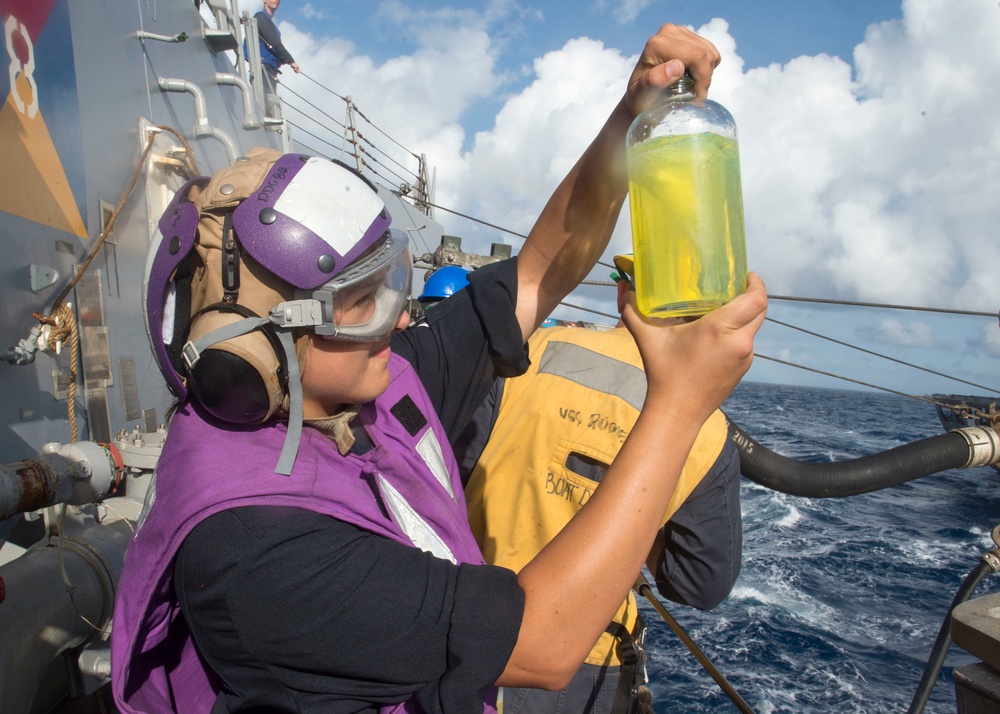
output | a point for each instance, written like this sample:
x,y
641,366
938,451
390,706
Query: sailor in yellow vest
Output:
x,y
549,436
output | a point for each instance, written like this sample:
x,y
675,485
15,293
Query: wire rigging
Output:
x,y
315,136
335,121
370,161
376,172
341,148
361,114
313,151
378,129
380,163
477,220
323,86
928,400
378,166
853,303
877,354
363,149
824,373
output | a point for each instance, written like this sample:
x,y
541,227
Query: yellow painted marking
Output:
x,y
33,184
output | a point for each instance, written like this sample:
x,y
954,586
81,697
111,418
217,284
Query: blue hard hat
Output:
x,y
444,282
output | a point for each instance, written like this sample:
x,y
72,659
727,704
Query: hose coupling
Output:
x,y
984,445
992,557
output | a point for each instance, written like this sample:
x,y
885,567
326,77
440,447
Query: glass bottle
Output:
x,y
686,203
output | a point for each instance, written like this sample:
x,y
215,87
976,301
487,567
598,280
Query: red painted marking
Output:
x,y
33,13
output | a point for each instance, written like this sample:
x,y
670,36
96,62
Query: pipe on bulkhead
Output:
x,y
202,127
960,448
250,120
179,37
16,356
25,351
78,473
58,596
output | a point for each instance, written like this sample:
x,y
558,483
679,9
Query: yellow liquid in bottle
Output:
x,y
688,236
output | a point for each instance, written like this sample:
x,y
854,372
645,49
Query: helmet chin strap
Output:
x,y
192,353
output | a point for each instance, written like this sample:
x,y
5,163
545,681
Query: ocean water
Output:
x,y
839,600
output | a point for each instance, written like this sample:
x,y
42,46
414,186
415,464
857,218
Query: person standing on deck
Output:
x,y
538,448
272,52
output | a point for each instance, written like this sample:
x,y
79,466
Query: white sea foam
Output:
x,y
792,516
839,600
931,552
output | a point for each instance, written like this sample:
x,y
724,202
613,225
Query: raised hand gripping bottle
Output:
x,y
686,203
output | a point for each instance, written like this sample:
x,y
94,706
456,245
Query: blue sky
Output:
x,y
868,137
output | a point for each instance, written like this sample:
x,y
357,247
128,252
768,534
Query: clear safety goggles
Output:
x,y
363,303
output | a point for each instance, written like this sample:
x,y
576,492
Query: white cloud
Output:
x,y
870,183
417,99
910,334
251,6
310,12
623,11
991,339
876,188
541,131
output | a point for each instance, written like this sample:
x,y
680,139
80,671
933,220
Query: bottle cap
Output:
x,y
684,85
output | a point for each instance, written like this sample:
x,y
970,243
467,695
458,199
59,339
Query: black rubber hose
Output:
x,y
941,644
849,478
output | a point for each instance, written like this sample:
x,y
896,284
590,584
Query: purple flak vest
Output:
x,y
205,469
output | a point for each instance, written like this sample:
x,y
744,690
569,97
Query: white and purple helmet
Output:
x,y
270,244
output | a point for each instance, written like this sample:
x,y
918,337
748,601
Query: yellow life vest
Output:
x,y
578,400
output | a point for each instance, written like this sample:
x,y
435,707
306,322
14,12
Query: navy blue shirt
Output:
x,y
272,51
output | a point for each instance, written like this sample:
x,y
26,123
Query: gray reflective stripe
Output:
x,y
415,527
146,504
430,451
594,371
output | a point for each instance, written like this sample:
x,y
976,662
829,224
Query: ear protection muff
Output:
x,y
242,377
241,380
238,380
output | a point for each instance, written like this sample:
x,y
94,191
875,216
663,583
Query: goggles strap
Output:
x,y
291,447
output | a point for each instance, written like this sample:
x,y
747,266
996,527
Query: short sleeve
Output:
x,y
703,540
467,341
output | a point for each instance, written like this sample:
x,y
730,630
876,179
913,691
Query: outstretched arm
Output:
x,y
576,583
575,226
